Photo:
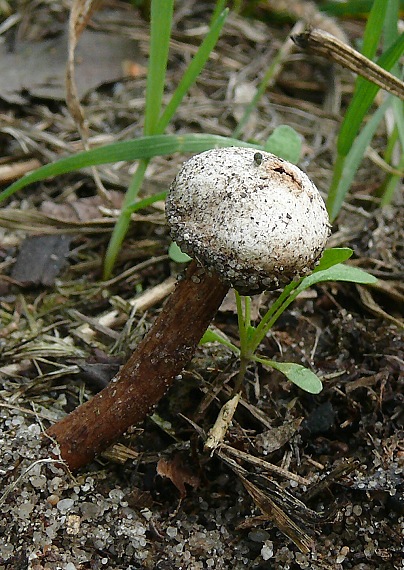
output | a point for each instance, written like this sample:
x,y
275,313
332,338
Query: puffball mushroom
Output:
x,y
251,221
252,217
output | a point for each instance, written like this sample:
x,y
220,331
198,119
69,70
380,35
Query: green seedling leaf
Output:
x,y
339,272
286,143
332,256
213,336
250,332
296,373
177,255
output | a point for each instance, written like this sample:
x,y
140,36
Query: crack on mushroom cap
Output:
x,y
256,225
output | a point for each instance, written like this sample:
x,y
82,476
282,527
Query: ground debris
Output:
x,y
117,513
41,259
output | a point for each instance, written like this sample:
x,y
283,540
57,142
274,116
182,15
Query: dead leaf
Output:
x,y
81,210
272,439
178,474
41,258
278,517
369,302
16,169
38,68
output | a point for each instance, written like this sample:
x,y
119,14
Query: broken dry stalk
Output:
x,y
252,221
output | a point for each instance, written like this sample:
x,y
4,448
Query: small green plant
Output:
x,y
351,146
330,268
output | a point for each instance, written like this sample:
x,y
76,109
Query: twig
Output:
x,y
322,43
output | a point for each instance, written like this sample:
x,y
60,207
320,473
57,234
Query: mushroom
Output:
x,y
251,221
254,219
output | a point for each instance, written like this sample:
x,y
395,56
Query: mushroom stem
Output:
x,y
147,375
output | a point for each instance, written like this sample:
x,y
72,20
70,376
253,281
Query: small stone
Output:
x,y
116,495
171,531
342,554
53,500
267,551
258,535
64,505
72,524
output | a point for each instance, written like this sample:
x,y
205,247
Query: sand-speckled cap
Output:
x,y
253,218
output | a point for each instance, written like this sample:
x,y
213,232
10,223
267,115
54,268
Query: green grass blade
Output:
x,y
363,98
193,71
141,148
391,184
390,31
270,72
347,9
343,179
398,110
123,222
145,202
161,12
374,28
219,7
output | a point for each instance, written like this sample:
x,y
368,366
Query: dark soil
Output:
x,y
301,481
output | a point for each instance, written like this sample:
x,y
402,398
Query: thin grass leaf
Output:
x,y
345,168
398,110
363,98
391,184
145,202
219,7
143,147
348,8
160,35
122,224
374,28
390,30
161,12
270,72
193,71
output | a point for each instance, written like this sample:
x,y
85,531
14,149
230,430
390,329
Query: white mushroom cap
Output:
x,y
253,218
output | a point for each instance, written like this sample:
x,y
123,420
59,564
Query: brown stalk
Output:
x,y
147,375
